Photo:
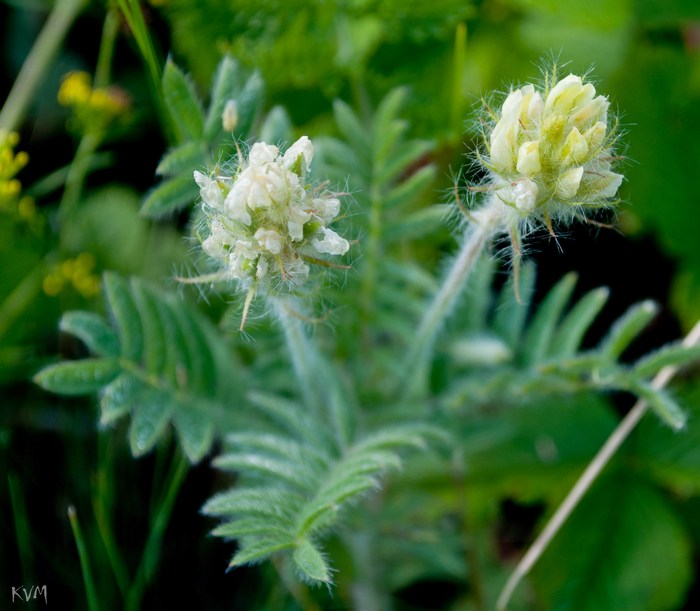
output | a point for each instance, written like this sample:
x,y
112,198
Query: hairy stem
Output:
x,y
477,236
38,61
595,467
301,351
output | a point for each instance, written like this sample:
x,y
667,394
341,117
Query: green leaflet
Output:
x,y
78,377
170,196
182,102
93,331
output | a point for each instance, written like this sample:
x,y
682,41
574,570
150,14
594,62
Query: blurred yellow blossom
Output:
x,y
11,199
77,272
94,109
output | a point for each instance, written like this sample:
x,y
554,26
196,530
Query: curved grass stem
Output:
x,y
38,61
588,477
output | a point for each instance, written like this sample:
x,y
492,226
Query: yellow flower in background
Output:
x,y
94,109
77,273
11,199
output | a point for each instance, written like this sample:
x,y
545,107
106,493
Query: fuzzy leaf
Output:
x,y
93,331
352,129
627,328
195,431
119,397
675,355
418,224
574,326
78,377
169,196
149,421
277,127
182,102
230,84
262,550
182,159
411,188
126,316
310,562
541,331
661,402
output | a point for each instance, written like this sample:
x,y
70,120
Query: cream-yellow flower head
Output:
x,y
550,151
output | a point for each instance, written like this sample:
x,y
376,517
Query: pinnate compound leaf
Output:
x,y
299,488
169,366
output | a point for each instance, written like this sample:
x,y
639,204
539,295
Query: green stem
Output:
x,y
22,529
74,185
301,351
134,18
101,503
458,97
103,69
586,480
151,552
21,297
90,591
38,61
478,235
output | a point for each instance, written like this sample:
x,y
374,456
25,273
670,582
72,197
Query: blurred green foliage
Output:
x,y
640,526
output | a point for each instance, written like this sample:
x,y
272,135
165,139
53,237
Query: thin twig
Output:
x,y
601,459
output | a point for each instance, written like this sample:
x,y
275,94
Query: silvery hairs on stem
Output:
x,y
264,224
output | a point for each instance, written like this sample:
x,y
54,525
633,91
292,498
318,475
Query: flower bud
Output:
x,y
229,118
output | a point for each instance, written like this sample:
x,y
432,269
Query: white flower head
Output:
x,y
264,223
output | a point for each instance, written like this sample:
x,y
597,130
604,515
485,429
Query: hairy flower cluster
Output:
x,y
265,224
551,151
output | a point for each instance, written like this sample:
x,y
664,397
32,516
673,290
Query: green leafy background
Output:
x,y
388,92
